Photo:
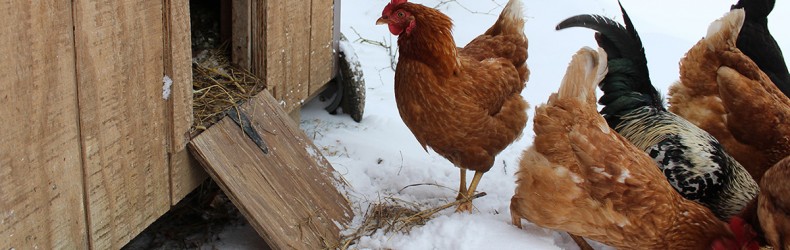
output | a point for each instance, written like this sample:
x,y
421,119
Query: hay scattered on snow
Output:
x,y
217,85
395,216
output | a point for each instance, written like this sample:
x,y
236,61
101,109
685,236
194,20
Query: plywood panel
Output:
x,y
41,201
289,194
288,51
322,55
178,67
119,51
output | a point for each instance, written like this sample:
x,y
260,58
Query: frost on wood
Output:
x,y
167,85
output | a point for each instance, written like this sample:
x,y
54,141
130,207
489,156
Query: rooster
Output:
x,y
581,177
756,41
464,103
691,159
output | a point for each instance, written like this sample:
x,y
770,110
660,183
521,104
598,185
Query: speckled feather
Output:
x,y
581,177
692,160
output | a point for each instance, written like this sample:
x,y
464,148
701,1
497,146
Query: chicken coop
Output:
x,y
98,114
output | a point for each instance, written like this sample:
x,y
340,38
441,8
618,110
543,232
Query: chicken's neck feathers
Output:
x,y
431,41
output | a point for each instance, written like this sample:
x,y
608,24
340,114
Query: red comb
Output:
x,y
744,233
391,5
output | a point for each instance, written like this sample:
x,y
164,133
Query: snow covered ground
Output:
x,y
380,158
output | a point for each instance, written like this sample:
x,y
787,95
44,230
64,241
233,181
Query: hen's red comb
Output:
x,y
391,5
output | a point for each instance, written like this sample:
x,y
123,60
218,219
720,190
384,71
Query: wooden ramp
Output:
x,y
279,180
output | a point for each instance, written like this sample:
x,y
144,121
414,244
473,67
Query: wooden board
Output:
x,y
186,174
289,195
322,56
178,66
288,51
119,52
41,187
241,50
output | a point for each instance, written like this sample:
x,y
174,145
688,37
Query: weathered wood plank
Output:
x,y
241,50
119,52
186,175
41,187
288,51
178,67
258,39
289,195
322,54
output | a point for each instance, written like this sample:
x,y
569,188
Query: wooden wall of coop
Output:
x,y
96,105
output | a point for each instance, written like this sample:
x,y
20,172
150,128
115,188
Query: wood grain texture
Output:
x,y
41,187
186,173
290,194
119,52
178,66
258,39
241,50
322,56
288,51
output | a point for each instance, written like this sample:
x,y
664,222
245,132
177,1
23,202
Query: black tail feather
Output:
x,y
627,86
756,41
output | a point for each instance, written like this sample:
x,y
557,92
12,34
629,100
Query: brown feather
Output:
x,y
723,92
582,177
463,103
774,205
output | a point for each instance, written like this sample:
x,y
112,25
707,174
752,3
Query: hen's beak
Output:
x,y
382,20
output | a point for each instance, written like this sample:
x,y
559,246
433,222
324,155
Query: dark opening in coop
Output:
x,y
218,82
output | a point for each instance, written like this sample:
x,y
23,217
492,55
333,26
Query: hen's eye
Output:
x,y
400,14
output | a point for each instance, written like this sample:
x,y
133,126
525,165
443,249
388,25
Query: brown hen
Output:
x,y
774,205
724,92
580,176
464,103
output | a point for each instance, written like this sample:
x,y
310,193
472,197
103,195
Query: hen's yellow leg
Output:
x,y
462,189
467,206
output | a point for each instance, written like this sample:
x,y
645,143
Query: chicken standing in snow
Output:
x,y
582,177
464,103
724,91
692,160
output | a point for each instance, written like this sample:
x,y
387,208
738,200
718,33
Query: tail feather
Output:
x,y
586,69
510,21
627,85
755,40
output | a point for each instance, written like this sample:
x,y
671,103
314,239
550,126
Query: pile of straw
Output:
x,y
217,86
395,216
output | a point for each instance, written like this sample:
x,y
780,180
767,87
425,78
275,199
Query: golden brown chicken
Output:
x,y
464,103
774,205
723,91
580,176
